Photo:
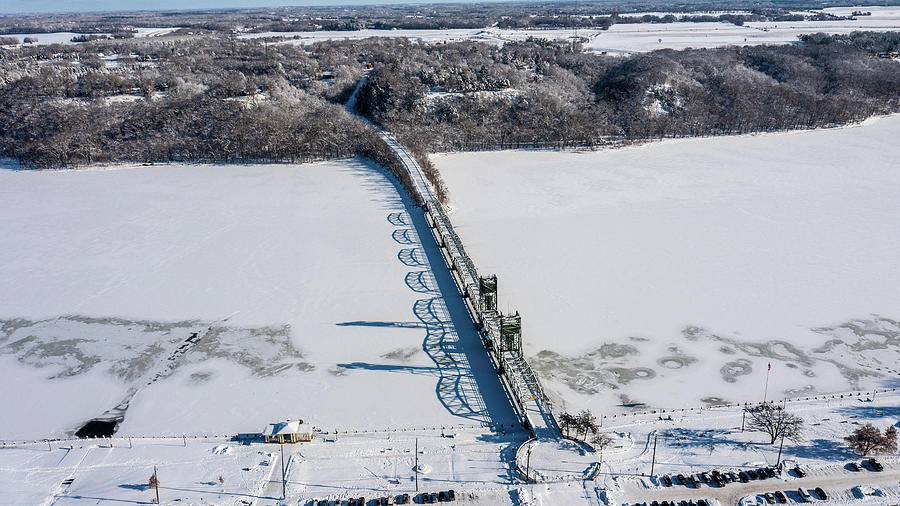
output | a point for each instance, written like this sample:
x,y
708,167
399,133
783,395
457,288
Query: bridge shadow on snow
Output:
x,y
468,385
397,325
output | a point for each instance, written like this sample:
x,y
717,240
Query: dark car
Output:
x,y
666,480
694,481
702,502
426,498
732,477
681,479
751,473
770,472
743,476
875,465
780,497
451,495
402,499
799,472
769,497
821,493
761,473
853,466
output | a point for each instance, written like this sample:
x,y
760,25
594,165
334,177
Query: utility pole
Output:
x,y
653,462
283,483
528,465
778,464
766,391
417,464
743,416
156,484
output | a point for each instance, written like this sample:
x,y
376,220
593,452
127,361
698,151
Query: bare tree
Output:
x,y
566,420
586,423
775,422
868,439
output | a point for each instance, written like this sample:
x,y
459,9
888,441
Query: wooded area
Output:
x,y
470,96
224,99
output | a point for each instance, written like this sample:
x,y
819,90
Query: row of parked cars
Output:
x,y
423,498
803,495
870,463
720,479
701,502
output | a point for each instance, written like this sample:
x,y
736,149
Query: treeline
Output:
x,y
469,96
225,99
199,100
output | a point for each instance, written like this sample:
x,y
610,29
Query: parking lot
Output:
x,y
838,482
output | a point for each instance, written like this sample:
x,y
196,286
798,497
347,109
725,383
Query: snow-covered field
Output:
x,y
66,37
670,274
217,299
637,37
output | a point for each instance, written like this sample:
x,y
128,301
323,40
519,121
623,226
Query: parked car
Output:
x,y
761,473
705,477
804,495
780,497
666,480
769,497
799,472
451,495
770,472
681,479
751,473
732,476
402,499
694,481
821,493
875,465
743,476
853,466
702,502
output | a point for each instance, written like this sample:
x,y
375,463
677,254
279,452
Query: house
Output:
x,y
286,432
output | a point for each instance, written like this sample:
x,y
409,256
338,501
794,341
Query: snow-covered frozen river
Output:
x,y
671,274
217,299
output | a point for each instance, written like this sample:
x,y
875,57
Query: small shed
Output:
x,y
287,432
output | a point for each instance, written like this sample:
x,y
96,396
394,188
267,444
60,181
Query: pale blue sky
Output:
x,y
26,6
